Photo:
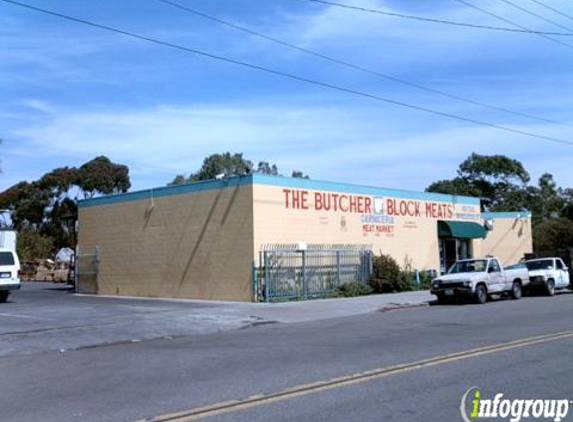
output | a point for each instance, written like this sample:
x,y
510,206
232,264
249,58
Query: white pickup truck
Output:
x,y
548,274
480,279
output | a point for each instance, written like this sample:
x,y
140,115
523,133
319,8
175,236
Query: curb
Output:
x,y
403,306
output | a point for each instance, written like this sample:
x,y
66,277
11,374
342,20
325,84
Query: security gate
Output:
x,y
289,273
86,271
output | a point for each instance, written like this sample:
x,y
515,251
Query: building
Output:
x,y
201,240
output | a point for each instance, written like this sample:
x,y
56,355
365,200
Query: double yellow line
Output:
x,y
317,387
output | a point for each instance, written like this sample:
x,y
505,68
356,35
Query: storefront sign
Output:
x,y
366,205
324,201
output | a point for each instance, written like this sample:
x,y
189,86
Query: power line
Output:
x,y
440,21
487,12
285,75
529,12
353,66
559,12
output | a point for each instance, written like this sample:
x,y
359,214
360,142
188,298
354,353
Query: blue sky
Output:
x,y
71,92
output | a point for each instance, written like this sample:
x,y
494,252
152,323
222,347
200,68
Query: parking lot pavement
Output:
x,y
46,317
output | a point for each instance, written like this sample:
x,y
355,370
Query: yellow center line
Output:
x,y
353,379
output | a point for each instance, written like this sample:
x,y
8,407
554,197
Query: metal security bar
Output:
x,y
286,273
86,271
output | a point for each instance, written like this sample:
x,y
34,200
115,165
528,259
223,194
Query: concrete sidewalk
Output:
x,y
45,317
312,310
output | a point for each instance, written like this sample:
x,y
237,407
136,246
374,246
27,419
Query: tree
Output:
x,y
100,175
547,200
26,203
60,223
568,208
456,186
265,168
502,184
554,234
494,169
227,165
59,181
45,207
498,180
180,179
299,175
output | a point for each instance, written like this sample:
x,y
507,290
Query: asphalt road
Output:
x,y
131,381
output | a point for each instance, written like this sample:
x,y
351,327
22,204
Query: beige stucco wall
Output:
x,y
509,240
192,245
201,243
413,238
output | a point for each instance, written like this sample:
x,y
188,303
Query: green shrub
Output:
x,y
353,289
385,275
33,245
426,278
388,277
407,280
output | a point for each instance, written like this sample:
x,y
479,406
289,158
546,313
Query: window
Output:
x,y
539,264
559,264
6,258
494,266
474,266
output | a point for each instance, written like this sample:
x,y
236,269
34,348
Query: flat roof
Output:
x,y
281,181
507,214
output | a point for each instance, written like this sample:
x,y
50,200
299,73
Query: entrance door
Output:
x,y
449,254
453,249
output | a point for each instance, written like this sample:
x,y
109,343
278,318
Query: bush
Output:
x,y
33,245
426,278
388,277
353,289
407,281
386,274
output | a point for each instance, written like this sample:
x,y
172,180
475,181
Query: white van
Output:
x,y
9,267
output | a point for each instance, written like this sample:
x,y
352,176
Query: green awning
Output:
x,y
462,229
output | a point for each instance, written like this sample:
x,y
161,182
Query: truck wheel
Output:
x,y
441,299
516,291
550,288
481,294
4,296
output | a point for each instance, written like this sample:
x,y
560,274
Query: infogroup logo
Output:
x,y
474,407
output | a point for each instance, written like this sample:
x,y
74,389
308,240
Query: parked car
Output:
x,y
548,275
480,279
9,267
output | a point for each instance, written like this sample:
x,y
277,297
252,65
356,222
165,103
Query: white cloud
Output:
x,y
37,105
354,145
398,43
330,136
